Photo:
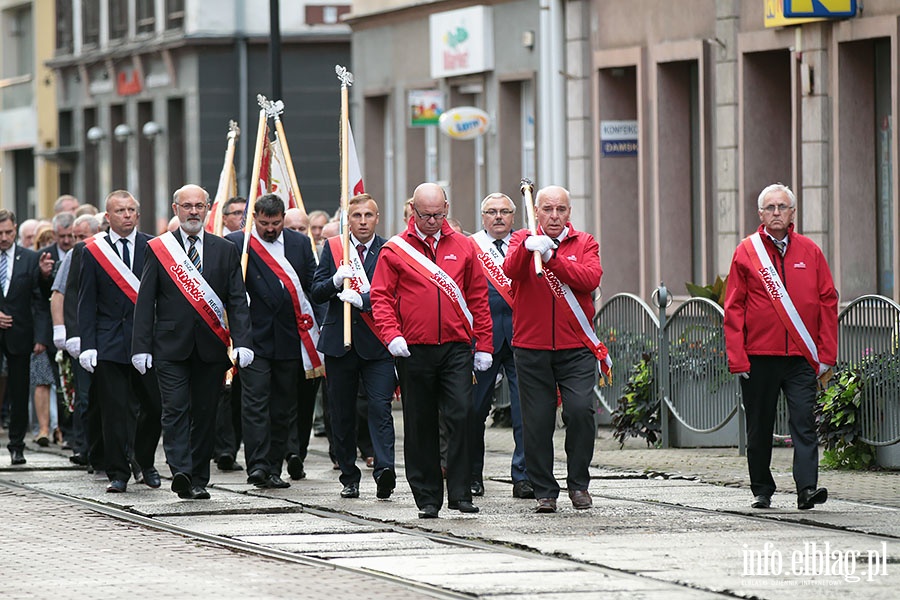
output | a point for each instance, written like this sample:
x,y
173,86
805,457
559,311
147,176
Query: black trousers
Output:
x,y
17,380
301,416
377,377
228,419
768,376
189,390
131,410
268,391
540,372
436,379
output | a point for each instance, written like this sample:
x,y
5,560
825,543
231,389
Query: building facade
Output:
x,y
146,90
668,119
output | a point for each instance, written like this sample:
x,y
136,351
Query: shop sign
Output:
x,y
465,122
618,138
425,107
461,41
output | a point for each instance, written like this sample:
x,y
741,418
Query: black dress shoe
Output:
x,y
258,477
225,462
181,485
429,512
385,484
16,457
275,482
79,459
523,490
477,488
351,490
463,506
199,493
116,486
151,477
761,501
295,467
809,497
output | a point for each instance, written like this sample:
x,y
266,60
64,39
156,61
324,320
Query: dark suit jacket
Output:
x,y
27,304
501,315
105,314
168,327
363,340
70,298
272,315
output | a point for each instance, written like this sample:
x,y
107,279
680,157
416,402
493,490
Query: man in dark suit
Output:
x,y
24,318
367,359
280,266
497,215
129,402
190,279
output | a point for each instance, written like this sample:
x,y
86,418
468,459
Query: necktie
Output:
x,y
555,246
4,265
126,255
193,254
361,250
499,244
432,246
781,245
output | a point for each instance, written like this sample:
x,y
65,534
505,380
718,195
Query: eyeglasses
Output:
x,y
493,212
780,207
234,212
192,207
435,216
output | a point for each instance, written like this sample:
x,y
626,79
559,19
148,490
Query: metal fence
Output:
x,y
691,369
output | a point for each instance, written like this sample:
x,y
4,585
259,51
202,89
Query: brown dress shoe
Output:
x,y
546,505
581,499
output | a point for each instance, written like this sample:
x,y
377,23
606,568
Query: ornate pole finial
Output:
x,y
344,75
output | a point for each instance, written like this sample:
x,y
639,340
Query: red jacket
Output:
x,y
752,327
537,323
406,304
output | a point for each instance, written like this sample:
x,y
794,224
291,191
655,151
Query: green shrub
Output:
x,y
637,412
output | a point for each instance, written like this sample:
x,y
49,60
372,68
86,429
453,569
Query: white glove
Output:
x,y
540,243
73,346
398,347
143,362
88,360
745,375
351,296
343,272
59,337
483,361
823,368
243,356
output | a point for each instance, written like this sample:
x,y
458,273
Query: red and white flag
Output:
x,y
355,176
279,178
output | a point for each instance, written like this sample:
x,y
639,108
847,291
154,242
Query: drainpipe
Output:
x,y
552,151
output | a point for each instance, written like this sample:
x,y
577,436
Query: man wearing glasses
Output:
x,y
780,335
189,281
429,298
233,214
555,345
497,215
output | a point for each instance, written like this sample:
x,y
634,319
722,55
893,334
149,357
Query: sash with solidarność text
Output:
x,y
307,328
784,306
492,264
360,281
113,265
191,284
433,273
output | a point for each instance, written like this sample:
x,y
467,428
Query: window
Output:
x,y
90,22
64,36
118,19
174,14
146,16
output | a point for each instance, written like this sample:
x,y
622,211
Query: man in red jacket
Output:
x,y
555,345
781,335
429,297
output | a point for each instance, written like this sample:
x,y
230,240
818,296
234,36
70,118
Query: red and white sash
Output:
x,y
782,302
307,327
191,284
492,264
433,273
360,281
579,321
113,266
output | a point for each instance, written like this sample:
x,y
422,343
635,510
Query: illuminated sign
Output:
x,y
825,9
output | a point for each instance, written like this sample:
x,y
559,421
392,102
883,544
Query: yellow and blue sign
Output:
x,y
823,9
